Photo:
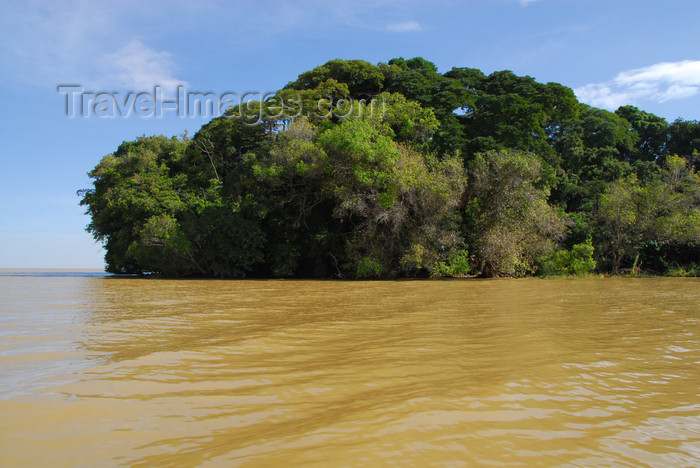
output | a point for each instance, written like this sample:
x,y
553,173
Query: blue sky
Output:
x,y
611,52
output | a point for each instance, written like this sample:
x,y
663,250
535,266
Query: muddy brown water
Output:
x,y
99,371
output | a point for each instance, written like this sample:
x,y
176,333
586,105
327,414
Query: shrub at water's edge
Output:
x,y
575,262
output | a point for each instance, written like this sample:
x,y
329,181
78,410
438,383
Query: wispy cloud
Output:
x,y
408,26
527,2
657,83
104,45
76,42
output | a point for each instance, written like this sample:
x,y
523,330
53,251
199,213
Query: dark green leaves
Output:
x,y
361,170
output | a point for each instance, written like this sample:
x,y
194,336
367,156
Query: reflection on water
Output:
x,y
111,371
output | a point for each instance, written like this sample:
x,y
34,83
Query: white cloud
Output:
x,y
527,2
408,26
657,83
137,66
602,95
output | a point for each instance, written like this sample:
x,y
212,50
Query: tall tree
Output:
x,y
509,221
134,205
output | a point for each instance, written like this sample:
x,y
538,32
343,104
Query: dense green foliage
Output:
x,y
362,171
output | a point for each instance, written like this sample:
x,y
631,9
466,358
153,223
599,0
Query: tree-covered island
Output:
x,y
356,170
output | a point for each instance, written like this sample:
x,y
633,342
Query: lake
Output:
x,y
105,371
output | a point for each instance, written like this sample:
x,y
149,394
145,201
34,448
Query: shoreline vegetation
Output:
x,y
395,170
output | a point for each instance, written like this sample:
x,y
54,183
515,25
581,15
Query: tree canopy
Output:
x,y
398,170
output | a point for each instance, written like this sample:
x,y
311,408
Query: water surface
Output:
x,y
102,371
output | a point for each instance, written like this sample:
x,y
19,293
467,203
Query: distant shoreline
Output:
x,y
51,270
